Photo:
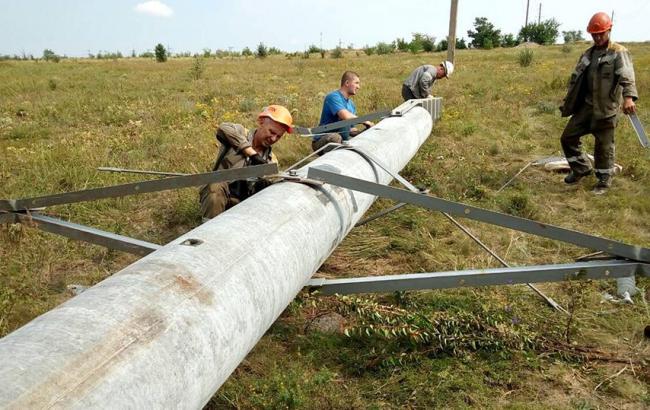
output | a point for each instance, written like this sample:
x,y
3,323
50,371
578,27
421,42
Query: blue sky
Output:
x,y
77,27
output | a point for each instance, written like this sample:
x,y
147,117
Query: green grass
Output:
x,y
58,122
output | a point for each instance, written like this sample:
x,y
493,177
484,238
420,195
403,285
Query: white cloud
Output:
x,y
154,8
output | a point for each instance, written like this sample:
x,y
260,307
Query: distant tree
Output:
x,y
572,36
350,46
274,51
262,51
369,50
161,53
402,45
442,45
246,52
384,48
147,54
484,35
49,55
543,33
508,40
425,42
337,53
133,55
461,44
207,52
313,49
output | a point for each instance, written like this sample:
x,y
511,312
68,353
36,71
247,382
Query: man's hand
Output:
x,y
369,124
629,107
257,160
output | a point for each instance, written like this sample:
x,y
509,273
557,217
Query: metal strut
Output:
x,y
369,157
612,247
23,210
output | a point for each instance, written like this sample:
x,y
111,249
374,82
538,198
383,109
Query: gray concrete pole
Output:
x,y
168,330
451,39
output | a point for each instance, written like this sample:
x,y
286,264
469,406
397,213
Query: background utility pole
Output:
x,y
451,39
539,16
527,7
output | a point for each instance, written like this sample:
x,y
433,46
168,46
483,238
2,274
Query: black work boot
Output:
x,y
604,182
575,177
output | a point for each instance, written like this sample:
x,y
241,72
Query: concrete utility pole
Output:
x,y
527,8
167,331
539,15
451,39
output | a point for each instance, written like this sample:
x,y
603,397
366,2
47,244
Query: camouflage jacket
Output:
x,y
613,80
233,139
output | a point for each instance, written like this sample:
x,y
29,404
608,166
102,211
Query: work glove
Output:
x,y
257,160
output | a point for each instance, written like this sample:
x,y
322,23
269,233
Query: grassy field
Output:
x,y
489,347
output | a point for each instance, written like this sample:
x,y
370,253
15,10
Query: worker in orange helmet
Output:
x,y
239,148
601,84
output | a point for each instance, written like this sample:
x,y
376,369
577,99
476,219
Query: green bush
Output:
x,y
337,53
384,48
525,57
369,50
543,33
161,53
246,52
197,68
262,51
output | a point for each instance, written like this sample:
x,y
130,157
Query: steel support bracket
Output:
x,y
632,252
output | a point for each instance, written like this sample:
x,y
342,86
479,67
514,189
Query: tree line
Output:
x,y
484,35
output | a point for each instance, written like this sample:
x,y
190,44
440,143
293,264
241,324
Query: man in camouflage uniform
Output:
x,y
240,148
602,83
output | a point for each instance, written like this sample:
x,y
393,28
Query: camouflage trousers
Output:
x,y
215,198
581,124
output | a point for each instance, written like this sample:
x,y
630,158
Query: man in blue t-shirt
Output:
x,y
338,106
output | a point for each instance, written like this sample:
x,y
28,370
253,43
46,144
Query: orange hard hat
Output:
x,y
279,114
599,23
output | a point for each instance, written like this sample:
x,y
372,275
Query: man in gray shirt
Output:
x,y
419,83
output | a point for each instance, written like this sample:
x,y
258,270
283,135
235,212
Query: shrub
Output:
x,y
337,53
384,48
566,48
525,57
313,49
369,50
197,68
161,53
426,42
402,45
509,40
246,52
572,36
262,51
442,45
543,33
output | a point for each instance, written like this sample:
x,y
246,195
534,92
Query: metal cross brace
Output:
x,y
610,246
22,210
138,187
341,124
480,277
375,161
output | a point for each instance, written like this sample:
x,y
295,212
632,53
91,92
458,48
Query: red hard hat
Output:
x,y
599,23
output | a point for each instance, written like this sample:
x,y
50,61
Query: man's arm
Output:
x,y
426,81
236,137
625,71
